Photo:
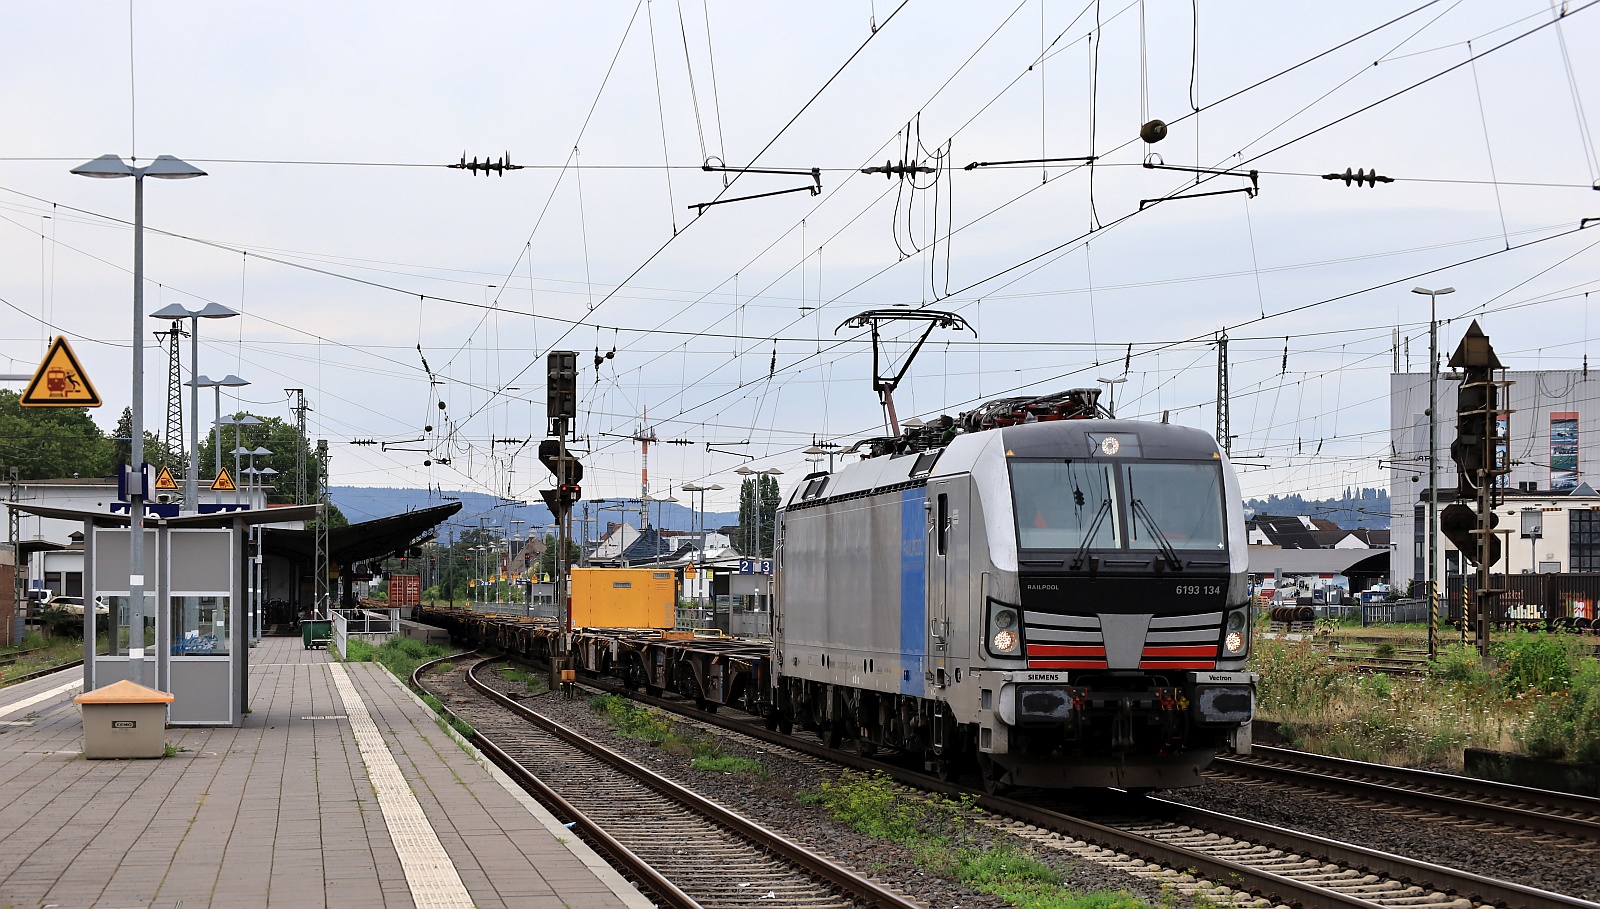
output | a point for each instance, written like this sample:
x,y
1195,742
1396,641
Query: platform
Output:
x,y
339,790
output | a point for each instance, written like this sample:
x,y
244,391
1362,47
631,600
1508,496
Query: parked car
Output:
x,y
74,605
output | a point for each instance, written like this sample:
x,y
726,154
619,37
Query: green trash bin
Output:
x,y
316,633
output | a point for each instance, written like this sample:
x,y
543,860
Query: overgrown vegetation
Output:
x,y
1542,695
37,652
402,656
533,683
939,833
647,725
445,719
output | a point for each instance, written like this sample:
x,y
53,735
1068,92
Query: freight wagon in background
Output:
x,y
405,590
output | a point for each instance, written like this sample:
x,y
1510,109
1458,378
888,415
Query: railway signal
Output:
x,y
1482,436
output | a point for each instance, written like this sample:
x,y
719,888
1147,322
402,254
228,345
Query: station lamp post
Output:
x,y
1433,465
239,451
174,312
700,555
164,167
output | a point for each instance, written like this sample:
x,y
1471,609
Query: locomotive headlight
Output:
x,y
1237,639
1004,630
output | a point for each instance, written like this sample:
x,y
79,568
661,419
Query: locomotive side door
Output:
x,y
946,584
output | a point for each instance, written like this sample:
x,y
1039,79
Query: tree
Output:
x,y
547,558
122,442
277,436
758,512
52,442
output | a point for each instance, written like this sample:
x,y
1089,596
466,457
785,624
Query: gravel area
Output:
x,y
1529,859
771,801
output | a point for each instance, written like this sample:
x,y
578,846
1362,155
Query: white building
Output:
x,y
1554,413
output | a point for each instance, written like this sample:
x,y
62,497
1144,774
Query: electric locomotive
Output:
x,y
1033,591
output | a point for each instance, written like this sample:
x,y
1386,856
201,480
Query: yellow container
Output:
x,y
624,597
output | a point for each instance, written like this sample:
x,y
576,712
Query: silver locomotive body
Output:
x,y
1057,603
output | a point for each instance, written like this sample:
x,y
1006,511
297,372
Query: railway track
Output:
x,y
1574,817
1154,836
38,673
687,849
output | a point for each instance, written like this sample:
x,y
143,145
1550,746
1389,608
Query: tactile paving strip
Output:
x,y
430,874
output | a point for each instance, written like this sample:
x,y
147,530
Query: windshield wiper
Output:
x,y
1083,548
1167,552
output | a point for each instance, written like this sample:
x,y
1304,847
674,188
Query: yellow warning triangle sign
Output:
x,y
164,481
60,381
223,482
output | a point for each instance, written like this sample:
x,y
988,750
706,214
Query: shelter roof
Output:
x,y
1267,559
358,542
212,519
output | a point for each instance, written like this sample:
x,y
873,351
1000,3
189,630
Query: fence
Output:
x,y
373,626
734,619
1395,612
1529,599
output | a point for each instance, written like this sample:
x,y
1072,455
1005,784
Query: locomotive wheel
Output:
x,y
990,773
832,734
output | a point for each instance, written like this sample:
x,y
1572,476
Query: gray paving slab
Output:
x,y
277,813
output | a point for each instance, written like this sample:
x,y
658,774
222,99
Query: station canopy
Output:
x,y
353,543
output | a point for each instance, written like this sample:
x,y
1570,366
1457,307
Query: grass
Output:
x,y
46,652
647,725
533,683
400,655
1540,697
728,764
937,830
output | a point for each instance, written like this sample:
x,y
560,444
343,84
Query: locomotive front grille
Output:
x,y
1079,641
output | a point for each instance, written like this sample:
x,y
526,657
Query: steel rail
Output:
x,y
1408,870
856,886
1238,876
1394,785
592,833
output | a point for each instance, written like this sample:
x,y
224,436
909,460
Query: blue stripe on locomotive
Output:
x,y
913,589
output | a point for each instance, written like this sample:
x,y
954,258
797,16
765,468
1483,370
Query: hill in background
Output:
x,y
1365,507
363,503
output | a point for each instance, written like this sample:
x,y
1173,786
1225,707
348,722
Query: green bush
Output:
x,y
1535,661
1459,663
1566,724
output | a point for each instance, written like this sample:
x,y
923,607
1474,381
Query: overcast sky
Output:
x,y
328,221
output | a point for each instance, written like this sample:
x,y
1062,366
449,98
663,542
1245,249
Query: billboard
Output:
x,y
1563,450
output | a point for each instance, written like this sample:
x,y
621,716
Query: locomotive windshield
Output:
x,y
1060,503
1181,502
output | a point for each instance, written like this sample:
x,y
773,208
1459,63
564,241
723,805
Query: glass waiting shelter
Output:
x,y
191,635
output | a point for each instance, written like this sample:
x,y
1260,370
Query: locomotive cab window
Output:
x,y
1180,502
1063,504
